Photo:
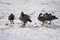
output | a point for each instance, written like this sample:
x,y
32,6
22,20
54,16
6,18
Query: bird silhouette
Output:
x,y
25,18
46,17
11,18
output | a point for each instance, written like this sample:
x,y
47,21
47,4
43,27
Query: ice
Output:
x,y
34,30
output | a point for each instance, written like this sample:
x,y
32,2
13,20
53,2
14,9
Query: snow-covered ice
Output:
x,y
30,34
34,30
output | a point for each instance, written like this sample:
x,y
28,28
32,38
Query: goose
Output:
x,y
11,18
41,18
51,17
46,17
25,18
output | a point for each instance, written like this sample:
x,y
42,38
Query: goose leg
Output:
x,y
24,24
50,22
43,23
12,21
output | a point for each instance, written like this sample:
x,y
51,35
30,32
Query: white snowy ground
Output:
x,y
34,30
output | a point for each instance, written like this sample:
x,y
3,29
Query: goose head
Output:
x,y
22,13
40,14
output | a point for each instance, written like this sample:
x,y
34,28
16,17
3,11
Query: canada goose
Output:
x,y
46,14
11,18
24,18
41,18
50,17
46,17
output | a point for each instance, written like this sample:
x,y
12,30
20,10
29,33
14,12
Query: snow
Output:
x,y
30,34
34,30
